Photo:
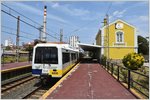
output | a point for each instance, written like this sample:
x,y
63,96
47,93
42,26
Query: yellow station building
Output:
x,y
117,39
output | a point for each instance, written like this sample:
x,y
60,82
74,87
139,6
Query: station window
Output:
x,y
119,36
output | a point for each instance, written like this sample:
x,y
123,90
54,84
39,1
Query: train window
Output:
x,y
46,55
66,57
73,56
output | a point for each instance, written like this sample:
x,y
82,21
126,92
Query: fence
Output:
x,y
11,57
133,79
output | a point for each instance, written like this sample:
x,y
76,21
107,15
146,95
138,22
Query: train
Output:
x,y
51,60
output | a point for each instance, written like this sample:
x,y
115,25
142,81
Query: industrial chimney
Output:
x,y
44,25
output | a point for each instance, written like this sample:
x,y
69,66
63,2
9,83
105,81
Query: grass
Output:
x,y
11,59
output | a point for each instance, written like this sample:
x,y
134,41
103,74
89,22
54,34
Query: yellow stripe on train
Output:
x,y
60,73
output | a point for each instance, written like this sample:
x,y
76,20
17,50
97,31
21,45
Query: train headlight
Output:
x,y
46,67
37,67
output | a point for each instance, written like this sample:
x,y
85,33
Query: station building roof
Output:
x,y
89,47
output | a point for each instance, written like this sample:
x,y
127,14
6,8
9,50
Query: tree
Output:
x,y
143,45
8,48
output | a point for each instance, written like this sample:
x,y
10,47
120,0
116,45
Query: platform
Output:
x,y
90,81
14,65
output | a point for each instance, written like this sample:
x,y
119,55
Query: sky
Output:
x,y
76,18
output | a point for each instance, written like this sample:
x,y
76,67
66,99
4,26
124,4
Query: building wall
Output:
x,y
118,53
126,47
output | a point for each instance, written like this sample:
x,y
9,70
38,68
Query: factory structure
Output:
x,y
42,29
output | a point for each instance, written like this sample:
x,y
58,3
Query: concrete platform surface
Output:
x,y
13,65
90,81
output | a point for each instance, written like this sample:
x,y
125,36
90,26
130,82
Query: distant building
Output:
x,y
73,41
6,43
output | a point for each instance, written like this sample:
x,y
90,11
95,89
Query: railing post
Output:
x,y
118,73
129,77
105,64
108,66
112,68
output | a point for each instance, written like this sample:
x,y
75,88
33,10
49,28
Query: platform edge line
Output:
x,y
19,67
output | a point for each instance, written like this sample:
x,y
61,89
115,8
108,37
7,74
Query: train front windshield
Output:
x,y
46,55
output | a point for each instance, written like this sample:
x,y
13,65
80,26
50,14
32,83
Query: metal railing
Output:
x,y
132,78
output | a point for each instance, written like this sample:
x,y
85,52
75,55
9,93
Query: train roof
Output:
x,y
60,45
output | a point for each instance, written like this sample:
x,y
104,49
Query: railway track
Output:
x,y
38,92
11,85
11,88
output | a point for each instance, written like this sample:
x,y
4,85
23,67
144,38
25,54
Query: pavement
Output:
x,y
90,81
14,65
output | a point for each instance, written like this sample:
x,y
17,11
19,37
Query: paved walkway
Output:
x,y
90,81
13,65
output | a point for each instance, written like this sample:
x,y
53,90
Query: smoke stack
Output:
x,y
44,25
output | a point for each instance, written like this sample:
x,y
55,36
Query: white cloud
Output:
x,y
119,3
119,14
144,18
38,12
93,16
55,5
69,10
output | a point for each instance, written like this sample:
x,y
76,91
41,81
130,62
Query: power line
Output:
x,y
19,35
16,29
29,18
109,8
28,23
90,21
20,14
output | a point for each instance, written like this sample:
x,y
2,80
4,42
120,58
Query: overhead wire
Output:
x,y
29,24
108,8
16,29
15,35
29,19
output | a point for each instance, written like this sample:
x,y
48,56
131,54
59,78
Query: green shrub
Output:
x,y
133,61
103,60
124,73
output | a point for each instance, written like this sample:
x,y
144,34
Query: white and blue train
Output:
x,y
53,60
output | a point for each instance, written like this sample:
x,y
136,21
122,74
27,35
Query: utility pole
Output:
x,y
61,35
40,32
107,18
17,39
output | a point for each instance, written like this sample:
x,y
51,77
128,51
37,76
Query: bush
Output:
x,y
103,60
133,61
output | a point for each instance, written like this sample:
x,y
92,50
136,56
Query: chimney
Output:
x,y
44,25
